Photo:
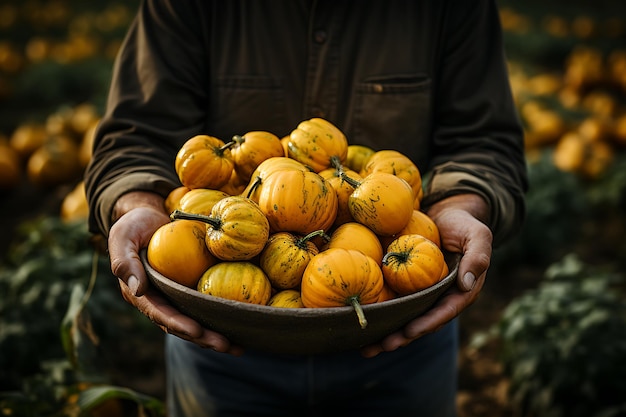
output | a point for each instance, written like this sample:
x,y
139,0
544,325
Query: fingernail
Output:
x,y
469,280
133,284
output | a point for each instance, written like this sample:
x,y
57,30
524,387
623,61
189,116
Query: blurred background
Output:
x,y
547,338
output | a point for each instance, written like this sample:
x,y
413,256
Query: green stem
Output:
x,y
400,256
351,181
257,182
301,243
335,162
354,302
181,215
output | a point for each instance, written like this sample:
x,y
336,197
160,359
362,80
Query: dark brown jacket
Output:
x,y
427,78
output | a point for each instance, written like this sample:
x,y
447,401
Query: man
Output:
x,y
427,78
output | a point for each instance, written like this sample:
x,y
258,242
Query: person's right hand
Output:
x,y
128,235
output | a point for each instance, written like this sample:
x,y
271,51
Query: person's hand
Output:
x,y
138,216
461,221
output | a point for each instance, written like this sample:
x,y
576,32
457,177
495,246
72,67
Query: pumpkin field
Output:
x,y
546,338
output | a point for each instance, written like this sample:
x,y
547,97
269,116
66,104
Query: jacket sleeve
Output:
x,y
155,103
478,138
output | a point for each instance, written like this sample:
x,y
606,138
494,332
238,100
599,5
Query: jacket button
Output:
x,y
320,36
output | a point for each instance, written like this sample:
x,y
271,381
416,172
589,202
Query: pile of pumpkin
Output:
x,y
302,221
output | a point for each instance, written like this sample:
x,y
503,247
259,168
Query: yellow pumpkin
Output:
x,y
74,206
178,251
339,277
10,166
412,263
204,162
27,138
356,236
55,162
396,163
238,280
298,201
358,155
265,169
286,299
420,224
386,294
286,256
236,229
318,144
172,201
343,189
200,200
235,185
381,201
252,148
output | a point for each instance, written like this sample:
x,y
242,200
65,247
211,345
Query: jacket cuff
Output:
x,y
100,215
506,208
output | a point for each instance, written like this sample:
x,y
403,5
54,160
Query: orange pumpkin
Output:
x,y
412,263
265,169
200,200
318,144
339,277
398,164
358,155
172,200
10,166
420,224
356,236
178,251
240,281
298,201
381,201
236,229
286,256
343,189
252,148
286,299
204,162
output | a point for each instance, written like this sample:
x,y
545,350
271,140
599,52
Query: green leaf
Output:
x,y
94,396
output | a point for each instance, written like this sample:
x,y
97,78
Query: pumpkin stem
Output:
x,y
257,181
221,149
238,139
354,302
301,242
211,221
335,162
351,181
401,257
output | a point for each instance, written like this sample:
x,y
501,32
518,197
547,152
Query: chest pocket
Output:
x,y
246,103
395,111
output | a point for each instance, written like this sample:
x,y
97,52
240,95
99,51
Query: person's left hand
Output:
x,y
460,220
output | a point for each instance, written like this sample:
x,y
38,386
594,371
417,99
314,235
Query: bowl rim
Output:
x,y
451,259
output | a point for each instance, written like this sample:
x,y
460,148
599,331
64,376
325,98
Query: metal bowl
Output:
x,y
299,330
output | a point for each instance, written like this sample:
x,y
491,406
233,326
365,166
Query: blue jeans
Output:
x,y
417,380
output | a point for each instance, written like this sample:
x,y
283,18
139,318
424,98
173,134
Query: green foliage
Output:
x,y
51,326
558,205
563,344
